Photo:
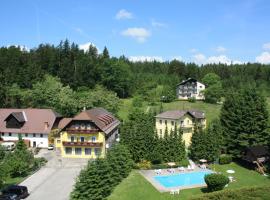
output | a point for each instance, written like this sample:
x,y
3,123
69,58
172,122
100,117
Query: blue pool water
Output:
x,y
182,180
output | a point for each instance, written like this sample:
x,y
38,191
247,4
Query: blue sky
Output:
x,y
202,31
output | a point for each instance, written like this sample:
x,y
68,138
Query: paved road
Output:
x,y
55,180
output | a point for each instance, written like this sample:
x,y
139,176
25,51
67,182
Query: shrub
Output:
x,y
184,163
225,159
144,164
192,99
39,162
216,182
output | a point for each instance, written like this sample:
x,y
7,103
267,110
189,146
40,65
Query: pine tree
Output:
x,y
244,119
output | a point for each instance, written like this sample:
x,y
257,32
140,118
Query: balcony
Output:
x,y
83,144
74,130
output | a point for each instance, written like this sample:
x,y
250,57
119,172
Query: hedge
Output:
x,y
262,193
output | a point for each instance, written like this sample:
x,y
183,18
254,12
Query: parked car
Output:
x,y
50,147
9,197
20,191
9,146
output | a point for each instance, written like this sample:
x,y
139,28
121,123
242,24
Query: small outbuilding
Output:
x,y
256,154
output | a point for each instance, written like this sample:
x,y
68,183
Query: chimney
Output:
x,y
46,125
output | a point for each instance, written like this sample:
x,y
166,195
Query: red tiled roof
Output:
x,y
35,120
103,119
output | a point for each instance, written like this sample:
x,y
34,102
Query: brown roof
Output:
x,y
103,119
34,120
177,114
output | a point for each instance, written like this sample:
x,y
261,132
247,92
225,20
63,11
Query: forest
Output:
x,y
67,78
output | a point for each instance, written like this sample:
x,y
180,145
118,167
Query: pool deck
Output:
x,y
150,174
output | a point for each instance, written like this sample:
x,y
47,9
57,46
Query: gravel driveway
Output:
x,y
55,180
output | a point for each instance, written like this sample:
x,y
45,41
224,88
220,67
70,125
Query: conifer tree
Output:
x,y
244,119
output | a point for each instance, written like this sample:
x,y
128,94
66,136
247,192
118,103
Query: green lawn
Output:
x,y
211,110
135,187
13,181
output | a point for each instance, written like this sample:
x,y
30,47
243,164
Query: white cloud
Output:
x,y
266,46
179,58
145,58
158,24
85,46
199,58
202,59
263,58
221,49
140,34
124,14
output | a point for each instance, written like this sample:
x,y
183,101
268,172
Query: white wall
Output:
x,y
41,142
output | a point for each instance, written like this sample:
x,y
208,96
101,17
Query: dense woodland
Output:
x,y
78,72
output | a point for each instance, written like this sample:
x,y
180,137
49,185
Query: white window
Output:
x,y
34,135
26,135
93,139
3,134
160,122
82,139
76,126
41,135
172,122
9,134
82,126
88,127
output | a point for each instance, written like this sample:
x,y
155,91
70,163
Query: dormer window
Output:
x,y
88,127
76,126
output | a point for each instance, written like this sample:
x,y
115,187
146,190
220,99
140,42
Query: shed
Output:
x,y
256,153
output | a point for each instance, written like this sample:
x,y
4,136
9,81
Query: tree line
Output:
x,y
87,69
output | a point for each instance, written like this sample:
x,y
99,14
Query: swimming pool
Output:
x,y
183,180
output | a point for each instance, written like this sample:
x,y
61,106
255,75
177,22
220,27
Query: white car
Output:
x,y
50,147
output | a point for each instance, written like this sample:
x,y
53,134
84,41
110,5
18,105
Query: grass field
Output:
x,y
135,187
211,110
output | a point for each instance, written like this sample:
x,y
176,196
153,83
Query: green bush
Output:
x,y
225,159
192,99
216,182
184,163
144,164
237,194
39,162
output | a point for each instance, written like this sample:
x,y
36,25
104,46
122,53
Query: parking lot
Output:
x,y
55,180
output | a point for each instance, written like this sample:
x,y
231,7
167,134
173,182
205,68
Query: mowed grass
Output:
x,y
211,110
136,187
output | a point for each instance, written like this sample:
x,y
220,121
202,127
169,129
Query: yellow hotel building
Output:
x,y
88,134
181,119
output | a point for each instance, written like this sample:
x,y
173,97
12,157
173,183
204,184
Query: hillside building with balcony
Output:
x,y
32,124
185,120
190,88
88,135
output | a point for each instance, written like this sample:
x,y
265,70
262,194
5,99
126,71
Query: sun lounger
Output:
x,y
181,169
176,191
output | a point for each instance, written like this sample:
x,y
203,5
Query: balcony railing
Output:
x,y
85,144
74,130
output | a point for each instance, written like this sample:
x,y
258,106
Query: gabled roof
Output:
x,y
177,114
259,151
188,80
19,116
34,120
103,119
